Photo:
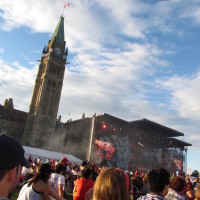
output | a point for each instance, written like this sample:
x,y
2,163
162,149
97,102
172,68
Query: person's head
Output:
x,y
197,193
11,161
145,179
64,161
110,185
60,169
75,168
178,184
189,186
196,180
158,180
86,173
137,184
84,165
44,172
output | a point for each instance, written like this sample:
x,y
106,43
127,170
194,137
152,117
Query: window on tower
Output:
x,y
50,67
54,84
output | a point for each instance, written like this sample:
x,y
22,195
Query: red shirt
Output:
x,y
81,186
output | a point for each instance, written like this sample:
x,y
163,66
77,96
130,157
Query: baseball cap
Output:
x,y
11,153
65,160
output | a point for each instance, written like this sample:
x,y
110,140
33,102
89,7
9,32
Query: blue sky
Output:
x,y
131,59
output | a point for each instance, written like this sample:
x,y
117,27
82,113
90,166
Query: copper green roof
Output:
x,y
58,35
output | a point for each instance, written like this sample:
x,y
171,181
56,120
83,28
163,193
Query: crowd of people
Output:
x,y
50,179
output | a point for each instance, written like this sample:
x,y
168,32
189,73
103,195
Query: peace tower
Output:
x,y
41,120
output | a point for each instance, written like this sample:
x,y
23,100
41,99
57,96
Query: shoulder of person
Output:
x,y
142,197
42,185
60,176
184,197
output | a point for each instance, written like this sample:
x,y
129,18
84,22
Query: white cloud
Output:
x,y
107,78
1,50
184,102
23,13
185,98
17,82
192,12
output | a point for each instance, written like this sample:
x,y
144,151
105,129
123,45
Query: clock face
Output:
x,y
57,51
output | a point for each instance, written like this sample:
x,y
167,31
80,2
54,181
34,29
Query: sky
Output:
x,y
132,59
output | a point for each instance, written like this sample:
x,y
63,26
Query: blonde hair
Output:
x,y
110,185
197,193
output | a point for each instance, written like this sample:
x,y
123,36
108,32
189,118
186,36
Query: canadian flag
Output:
x,y
66,4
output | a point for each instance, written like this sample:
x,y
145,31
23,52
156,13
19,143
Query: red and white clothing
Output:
x,y
55,181
81,186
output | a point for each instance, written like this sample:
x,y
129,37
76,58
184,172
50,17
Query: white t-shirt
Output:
x,y
56,180
67,168
67,172
27,193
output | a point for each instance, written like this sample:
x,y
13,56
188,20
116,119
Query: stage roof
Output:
x,y
179,143
149,133
154,128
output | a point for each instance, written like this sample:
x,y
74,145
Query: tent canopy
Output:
x,y
36,153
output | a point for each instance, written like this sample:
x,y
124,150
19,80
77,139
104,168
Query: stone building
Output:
x,y
12,121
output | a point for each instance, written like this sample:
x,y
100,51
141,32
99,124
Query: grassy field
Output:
x,y
16,192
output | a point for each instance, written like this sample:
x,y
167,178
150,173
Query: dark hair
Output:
x,y
84,163
137,182
189,186
43,173
85,173
59,168
75,167
157,178
177,183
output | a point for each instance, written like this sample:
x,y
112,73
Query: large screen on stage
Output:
x,y
114,144
110,146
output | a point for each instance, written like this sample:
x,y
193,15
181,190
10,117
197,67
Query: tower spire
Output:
x,y
58,35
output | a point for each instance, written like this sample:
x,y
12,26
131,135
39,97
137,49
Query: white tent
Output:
x,y
36,153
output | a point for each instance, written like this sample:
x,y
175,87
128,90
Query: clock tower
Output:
x,y
41,120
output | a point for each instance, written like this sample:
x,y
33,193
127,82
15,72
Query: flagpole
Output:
x,y
63,11
65,5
